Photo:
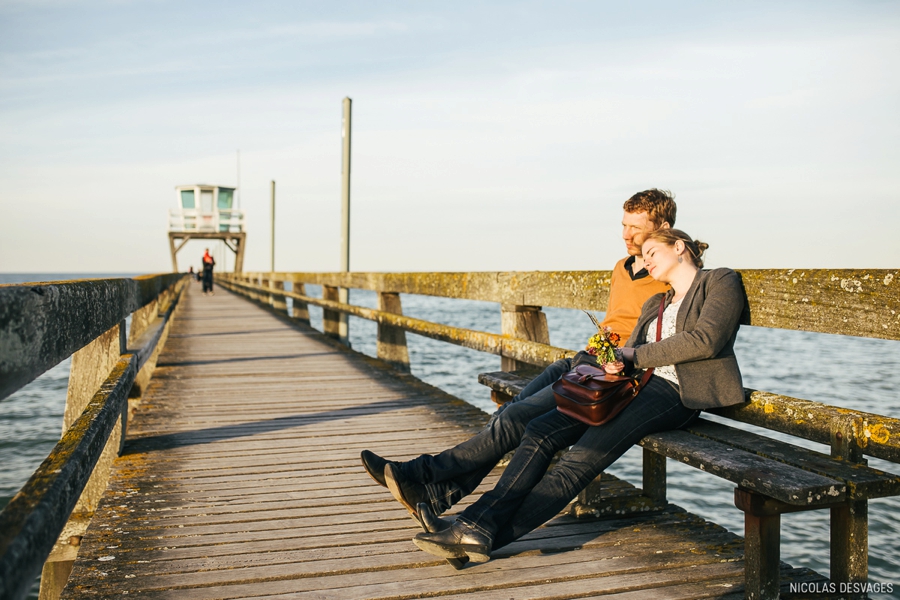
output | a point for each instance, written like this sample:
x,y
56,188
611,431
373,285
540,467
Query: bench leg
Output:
x,y
654,476
850,542
762,556
762,544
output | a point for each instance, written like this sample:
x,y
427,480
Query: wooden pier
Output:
x,y
241,478
239,474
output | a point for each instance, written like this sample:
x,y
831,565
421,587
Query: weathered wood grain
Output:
x,y
777,480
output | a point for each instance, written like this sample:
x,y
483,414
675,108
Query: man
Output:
x,y
442,480
208,264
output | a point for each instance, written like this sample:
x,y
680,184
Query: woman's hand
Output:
x,y
615,367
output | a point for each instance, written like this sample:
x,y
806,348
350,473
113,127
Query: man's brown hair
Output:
x,y
658,204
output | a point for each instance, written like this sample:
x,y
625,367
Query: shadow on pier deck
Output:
x,y
241,478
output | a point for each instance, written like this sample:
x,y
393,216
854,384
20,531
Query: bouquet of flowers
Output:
x,y
603,343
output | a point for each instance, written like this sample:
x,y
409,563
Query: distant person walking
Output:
x,y
208,263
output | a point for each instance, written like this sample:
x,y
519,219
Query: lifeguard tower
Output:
x,y
207,213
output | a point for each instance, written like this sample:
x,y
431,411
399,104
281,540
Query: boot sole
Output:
x,y
460,552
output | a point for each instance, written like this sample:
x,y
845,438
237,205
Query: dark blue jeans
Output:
x,y
454,473
527,495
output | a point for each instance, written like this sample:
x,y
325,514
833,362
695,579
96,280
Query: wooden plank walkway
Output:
x,y
241,478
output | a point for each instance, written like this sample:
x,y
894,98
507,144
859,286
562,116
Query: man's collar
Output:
x,y
629,262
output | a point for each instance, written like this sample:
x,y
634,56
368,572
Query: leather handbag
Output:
x,y
591,395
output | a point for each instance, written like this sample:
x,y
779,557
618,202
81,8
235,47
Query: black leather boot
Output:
x,y
457,541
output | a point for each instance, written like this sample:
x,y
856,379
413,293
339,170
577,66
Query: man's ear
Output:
x,y
665,225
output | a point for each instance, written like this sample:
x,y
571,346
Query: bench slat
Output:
x,y
771,478
862,481
504,382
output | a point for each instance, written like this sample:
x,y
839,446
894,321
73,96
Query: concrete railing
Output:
x,y
42,324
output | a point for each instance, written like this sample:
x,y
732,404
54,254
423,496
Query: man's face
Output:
x,y
634,227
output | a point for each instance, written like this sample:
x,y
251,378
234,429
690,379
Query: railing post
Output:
x,y
258,281
90,367
265,298
279,302
140,320
300,310
849,521
525,323
392,340
344,318
331,322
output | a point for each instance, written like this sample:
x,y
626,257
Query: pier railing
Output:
x,y
42,324
864,303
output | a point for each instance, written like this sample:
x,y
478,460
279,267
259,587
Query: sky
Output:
x,y
486,135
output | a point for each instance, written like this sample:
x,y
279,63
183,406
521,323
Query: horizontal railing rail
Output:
x,y
42,324
32,522
492,343
857,302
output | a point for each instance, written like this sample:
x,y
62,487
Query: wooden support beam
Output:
x,y
184,241
140,321
265,297
300,309
331,321
279,302
240,242
392,340
173,251
524,323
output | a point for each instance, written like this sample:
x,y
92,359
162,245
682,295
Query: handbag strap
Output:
x,y
659,319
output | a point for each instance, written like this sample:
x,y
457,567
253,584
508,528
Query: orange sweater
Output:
x,y
626,297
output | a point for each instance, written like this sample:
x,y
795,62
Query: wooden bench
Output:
x,y
772,477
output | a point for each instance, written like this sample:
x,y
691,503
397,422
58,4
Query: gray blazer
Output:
x,y
702,348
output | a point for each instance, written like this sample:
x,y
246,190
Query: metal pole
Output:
x,y
273,228
344,293
237,192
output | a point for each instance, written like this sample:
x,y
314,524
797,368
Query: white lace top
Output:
x,y
668,330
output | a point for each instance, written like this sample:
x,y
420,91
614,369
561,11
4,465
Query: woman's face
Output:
x,y
660,259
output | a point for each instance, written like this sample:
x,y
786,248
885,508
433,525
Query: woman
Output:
x,y
695,369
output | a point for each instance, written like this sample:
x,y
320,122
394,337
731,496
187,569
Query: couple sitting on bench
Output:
x,y
695,369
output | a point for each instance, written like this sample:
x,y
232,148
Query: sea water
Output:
x,y
857,373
